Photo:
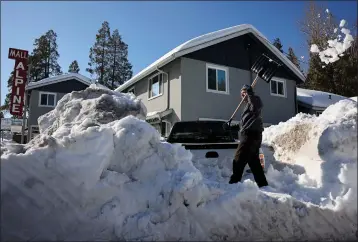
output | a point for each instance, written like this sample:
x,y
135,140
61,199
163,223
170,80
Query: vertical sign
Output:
x,y
19,80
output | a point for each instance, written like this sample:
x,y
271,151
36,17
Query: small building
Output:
x,y
201,79
315,102
44,95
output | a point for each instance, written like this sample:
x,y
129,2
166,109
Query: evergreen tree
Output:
x,y
120,68
5,107
98,56
74,68
277,44
9,88
293,58
44,57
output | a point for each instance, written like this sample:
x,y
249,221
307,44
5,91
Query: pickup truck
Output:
x,y
208,140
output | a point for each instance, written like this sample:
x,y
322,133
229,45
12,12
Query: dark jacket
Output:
x,y
251,120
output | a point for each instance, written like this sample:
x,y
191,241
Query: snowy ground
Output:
x,y
99,172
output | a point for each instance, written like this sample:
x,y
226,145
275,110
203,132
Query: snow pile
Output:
x,y
335,47
95,105
326,146
117,181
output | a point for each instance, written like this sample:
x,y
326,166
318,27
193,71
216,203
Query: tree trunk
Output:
x,y
114,64
102,68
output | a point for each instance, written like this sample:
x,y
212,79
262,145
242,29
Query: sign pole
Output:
x,y
23,121
24,112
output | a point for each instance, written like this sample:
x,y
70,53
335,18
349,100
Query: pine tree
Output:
x,y
74,68
5,107
277,44
120,68
293,58
9,88
99,63
44,57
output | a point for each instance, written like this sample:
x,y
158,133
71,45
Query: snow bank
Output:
x,y
97,179
92,107
336,47
326,147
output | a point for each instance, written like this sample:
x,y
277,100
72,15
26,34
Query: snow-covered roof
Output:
x,y
59,78
318,99
206,40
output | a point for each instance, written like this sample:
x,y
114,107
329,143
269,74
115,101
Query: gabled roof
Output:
x,y
319,99
60,78
207,40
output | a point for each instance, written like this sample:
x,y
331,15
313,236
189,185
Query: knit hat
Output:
x,y
248,88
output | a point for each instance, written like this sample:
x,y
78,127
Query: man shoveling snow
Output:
x,y
251,128
98,171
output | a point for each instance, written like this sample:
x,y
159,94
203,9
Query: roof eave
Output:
x,y
281,56
147,72
57,81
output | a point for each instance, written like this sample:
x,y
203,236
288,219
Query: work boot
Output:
x,y
234,179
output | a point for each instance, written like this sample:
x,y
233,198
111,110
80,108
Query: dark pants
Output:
x,y
247,152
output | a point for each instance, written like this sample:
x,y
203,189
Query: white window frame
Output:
x,y
131,89
217,67
283,81
48,93
161,85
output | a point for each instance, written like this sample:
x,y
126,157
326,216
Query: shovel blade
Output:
x,y
265,67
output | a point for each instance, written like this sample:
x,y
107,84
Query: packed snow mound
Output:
x,y
95,104
326,146
117,181
100,105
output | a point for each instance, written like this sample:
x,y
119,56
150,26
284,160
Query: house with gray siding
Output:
x,y
44,95
201,79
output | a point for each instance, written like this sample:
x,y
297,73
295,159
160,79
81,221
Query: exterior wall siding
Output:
x,y
60,89
198,103
160,103
35,110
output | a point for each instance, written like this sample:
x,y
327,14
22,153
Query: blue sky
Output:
x,y
149,28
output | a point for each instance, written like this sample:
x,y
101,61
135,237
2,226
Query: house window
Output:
x,y
47,99
155,86
278,87
217,79
165,128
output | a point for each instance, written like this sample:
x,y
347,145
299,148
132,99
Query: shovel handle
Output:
x,y
252,85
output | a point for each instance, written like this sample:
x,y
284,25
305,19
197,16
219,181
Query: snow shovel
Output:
x,y
265,68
